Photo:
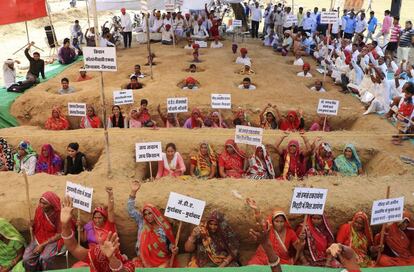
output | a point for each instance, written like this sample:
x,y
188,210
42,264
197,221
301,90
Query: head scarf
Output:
x,y
293,163
204,163
243,50
9,253
367,228
196,46
190,80
25,145
102,211
6,155
323,163
194,121
220,124
99,262
256,166
306,65
52,164
287,125
9,231
348,167
153,251
59,123
134,122
318,239
90,122
271,125
232,143
398,240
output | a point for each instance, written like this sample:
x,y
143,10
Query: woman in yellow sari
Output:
x,y
213,243
11,247
204,164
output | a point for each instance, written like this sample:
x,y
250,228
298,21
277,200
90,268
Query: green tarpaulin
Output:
x,y
7,98
286,268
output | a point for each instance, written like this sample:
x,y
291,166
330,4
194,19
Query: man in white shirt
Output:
x,y
216,43
167,35
199,31
314,17
76,31
9,72
287,23
126,25
247,85
278,21
307,22
361,24
157,23
256,19
243,58
318,86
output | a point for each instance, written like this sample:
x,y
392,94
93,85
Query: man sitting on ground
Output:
x,y
216,43
286,44
199,31
137,72
190,83
318,86
82,75
167,35
134,84
246,70
66,54
66,89
9,72
243,59
37,65
305,71
247,85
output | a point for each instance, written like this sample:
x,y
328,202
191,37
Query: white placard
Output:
x,y
328,107
81,196
329,17
177,104
237,23
202,44
291,19
248,135
221,101
308,201
146,152
184,208
123,97
169,7
76,109
101,59
387,210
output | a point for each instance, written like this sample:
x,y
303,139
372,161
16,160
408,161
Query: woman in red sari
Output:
x,y
322,159
57,121
105,257
91,120
47,242
292,159
232,161
357,235
318,238
397,243
292,122
155,242
282,237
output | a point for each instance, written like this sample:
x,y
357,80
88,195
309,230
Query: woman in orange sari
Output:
x,y
357,235
281,235
57,121
156,242
397,251
91,120
232,161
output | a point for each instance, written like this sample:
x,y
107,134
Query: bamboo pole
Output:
x,y
383,228
29,208
177,239
148,43
51,25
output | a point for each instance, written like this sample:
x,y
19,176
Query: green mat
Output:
x,y
7,98
287,268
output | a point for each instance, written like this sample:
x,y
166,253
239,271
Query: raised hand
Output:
x,y
111,245
135,186
251,203
260,234
66,212
109,190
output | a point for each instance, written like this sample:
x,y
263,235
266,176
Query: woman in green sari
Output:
x,y
11,248
348,163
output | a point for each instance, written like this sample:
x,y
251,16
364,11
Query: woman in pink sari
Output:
x,y
232,161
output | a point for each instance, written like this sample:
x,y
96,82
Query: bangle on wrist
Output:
x,y
67,237
275,263
117,269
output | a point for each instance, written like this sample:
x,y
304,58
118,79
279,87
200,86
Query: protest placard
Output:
x,y
184,208
101,59
177,104
329,17
308,201
221,101
291,19
81,196
123,97
387,210
169,7
76,109
248,135
237,23
146,152
328,107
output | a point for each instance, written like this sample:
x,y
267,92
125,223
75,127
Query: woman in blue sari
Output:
x,y
348,163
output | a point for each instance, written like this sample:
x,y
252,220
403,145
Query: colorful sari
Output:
x,y
397,245
210,123
90,122
317,242
134,122
97,235
30,153
269,125
6,155
348,167
213,248
258,169
287,125
154,241
52,164
282,247
293,165
322,160
9,251
202,164
360,242
193,122
233,163
98,262
58,123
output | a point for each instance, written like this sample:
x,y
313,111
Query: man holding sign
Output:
x,y
154,234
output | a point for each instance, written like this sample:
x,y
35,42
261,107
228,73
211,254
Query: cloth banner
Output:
x,y
353,4
14,11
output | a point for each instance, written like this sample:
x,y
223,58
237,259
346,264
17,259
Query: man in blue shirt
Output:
x,y
372,25
350,26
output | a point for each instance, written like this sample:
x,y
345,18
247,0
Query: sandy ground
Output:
x,y
276,83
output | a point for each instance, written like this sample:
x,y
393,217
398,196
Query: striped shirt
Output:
x,y
406,37
395,33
